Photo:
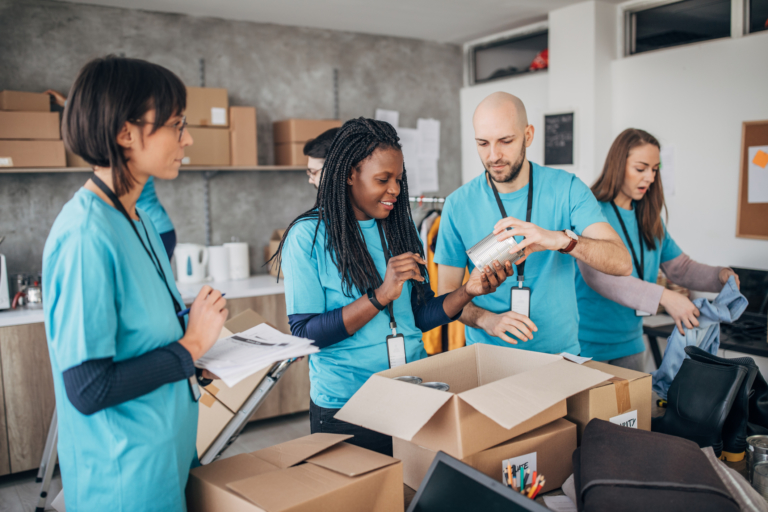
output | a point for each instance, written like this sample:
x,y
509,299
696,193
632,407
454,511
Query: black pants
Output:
x,y
321,420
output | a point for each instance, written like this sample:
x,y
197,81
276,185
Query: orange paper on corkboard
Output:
x,y
761,159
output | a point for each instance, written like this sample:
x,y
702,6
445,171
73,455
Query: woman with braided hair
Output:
x,y
354,269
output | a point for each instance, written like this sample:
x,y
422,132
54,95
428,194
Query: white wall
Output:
x,y
694,98
532,89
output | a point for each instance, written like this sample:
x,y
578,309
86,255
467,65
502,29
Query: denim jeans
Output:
x,y
322,420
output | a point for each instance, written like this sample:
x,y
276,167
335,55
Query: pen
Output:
x,y
509,474
186,311
522,479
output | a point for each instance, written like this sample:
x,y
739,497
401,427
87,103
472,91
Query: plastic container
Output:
x,y
484,252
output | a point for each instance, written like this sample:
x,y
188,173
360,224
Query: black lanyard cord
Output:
x,y
387,255
521,266
641,265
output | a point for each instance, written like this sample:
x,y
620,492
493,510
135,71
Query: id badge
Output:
x,y
642,313
521,301
396,350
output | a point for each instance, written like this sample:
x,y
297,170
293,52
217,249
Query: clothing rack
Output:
x,y
423,199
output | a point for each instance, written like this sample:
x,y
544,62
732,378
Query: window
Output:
x,y
508,57
677,23
757,10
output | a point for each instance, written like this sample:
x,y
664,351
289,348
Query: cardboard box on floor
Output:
x,y
626,391
301,130
269,250
29,125
497,393
32,153
74,160
550,446
290,153
25,101
314,473
242,136
211,147
207,106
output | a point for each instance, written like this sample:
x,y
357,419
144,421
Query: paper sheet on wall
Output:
x,y
668,170
757,160
390,116
409,139
427,175
429,138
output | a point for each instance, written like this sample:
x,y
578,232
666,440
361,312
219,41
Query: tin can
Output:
x,y
440,386
757,451
410,379
760,478
484,252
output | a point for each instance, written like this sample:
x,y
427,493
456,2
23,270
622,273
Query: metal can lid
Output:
x,y
440,386
410,379
760,442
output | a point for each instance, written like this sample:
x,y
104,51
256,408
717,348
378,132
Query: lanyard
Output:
x,y
521,266
387,255
639,266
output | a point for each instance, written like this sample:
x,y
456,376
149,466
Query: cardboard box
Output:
x,y
301,130
29,125
211,420
25,101
291,153
319,472
242,136
207,106
547,449
269,250
210,147
32,153
74,160
497,393
626,394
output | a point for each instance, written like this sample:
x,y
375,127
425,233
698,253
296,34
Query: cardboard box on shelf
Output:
x,y
242,136
547,449
291,153
211,420
317,472
625,399
25,101
29,125
301,130
496,394
269,250
211,147
32,153
207,106
74,160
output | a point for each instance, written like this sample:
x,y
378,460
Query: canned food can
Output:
x,y
757,451
484,252
440,386
760,479
410,379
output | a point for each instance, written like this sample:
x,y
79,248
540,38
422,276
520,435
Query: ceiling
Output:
x,y
446,21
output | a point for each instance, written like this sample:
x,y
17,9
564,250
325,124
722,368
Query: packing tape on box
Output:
x,y
207,400
623,404
212,389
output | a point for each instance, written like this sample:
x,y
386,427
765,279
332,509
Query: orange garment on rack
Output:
x,y
433,340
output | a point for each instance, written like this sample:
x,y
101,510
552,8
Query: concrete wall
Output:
x,y
283,71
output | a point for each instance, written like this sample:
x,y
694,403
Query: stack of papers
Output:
x,y
241,355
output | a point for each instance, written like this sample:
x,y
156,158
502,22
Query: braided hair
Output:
x,y
344,241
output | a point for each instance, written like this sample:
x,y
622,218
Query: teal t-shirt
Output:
x,y
608,330
149,202
313,286
104,298
560,201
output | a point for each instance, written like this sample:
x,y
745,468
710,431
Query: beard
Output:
x,y
514,169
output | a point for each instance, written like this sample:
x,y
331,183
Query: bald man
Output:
x,y
565,224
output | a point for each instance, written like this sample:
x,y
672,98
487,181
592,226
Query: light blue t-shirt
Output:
x,y
149,202
560,201
608,330
104,298
313,286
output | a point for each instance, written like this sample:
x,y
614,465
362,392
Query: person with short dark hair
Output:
x,y
121,356
316,149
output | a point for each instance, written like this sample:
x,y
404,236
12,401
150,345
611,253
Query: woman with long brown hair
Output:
x,y
611,308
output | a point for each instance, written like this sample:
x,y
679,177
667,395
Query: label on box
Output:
x,y
6,161
628,419
218,115
185,160
523,462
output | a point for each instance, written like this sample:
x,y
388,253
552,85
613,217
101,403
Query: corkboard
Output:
x,y
752,219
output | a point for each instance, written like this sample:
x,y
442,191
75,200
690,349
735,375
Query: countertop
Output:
x,y
254,286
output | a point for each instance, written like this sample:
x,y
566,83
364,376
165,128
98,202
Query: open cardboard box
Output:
x,y
497,393
314,473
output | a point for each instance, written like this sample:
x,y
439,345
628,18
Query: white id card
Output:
x,y
396,350
641,313
521,301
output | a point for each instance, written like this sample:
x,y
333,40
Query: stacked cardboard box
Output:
x,y
291,135
29,131
208,118
269,250
242,136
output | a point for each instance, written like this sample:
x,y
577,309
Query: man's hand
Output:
x,y
726,273
510,322
536,238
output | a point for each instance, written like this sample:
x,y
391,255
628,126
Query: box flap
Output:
x,y
231,469
392,407
244,321
289,454
622,373
520,397
351,460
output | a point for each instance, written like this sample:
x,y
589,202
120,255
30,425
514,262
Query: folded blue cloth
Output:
x,y
727,307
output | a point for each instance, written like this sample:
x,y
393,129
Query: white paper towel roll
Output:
x,y
239,266
218,263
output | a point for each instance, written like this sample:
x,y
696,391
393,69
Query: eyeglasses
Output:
x,y
178,125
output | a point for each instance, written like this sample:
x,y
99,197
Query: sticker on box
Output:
x,y
523,462
628,419
6,161
218,115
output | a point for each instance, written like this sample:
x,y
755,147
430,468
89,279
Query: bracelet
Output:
x,y
372,298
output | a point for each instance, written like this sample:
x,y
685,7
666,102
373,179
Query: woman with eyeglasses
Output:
x,y
122,358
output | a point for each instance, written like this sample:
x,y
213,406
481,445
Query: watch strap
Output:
x,y
374,301
571,244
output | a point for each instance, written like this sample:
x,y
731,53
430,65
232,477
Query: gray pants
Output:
x,y
634,362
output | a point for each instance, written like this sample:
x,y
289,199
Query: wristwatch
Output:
x,y
372,298
574,240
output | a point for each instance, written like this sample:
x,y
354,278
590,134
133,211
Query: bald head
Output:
x,y
500,107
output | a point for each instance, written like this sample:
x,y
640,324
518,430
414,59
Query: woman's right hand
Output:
x,y
206,318
681,309
400,269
